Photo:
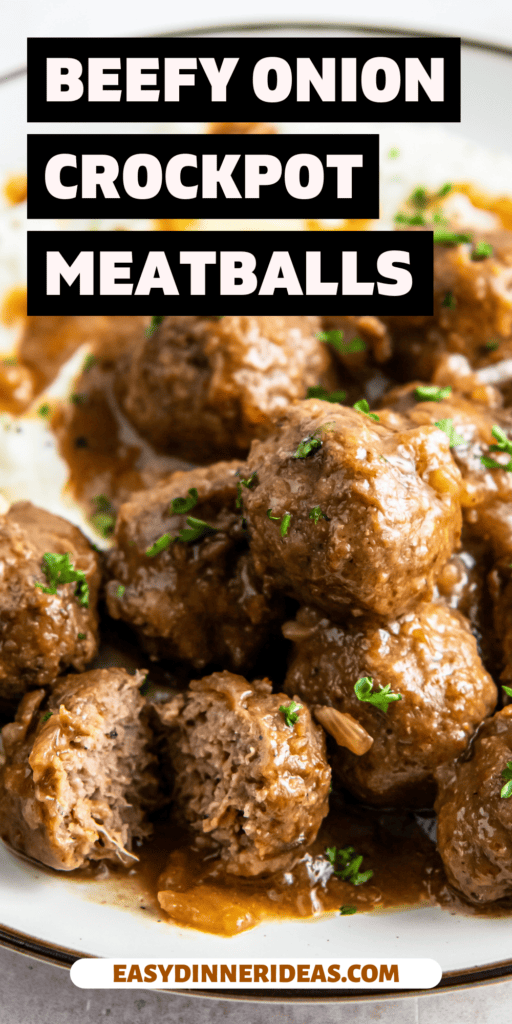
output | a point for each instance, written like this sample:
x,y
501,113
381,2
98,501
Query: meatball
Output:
x,y
206,386
474,831
78,777
486,495
430,659
367,516
43,633
196,601
244,777
472,308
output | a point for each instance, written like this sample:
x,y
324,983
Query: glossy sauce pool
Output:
x,y
199,895
408,874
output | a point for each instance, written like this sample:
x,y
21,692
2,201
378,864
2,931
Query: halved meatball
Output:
x,y
205,386
78,775
244,778
472,308
43,633
196,600
362,515
474,832
430,659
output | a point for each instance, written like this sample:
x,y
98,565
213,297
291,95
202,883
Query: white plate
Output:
x,y
57,918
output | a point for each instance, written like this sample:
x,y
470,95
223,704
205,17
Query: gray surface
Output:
x,y
36,993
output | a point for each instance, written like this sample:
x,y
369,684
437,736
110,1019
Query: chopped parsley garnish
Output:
x,y
492,464
120,590
381,699
285,524
308,446
447,426
104,518
449,301
345,910
317,391
419,197
146,687
155,322
394,153
316,514
89,362
46,716
482,251
413,220
508,690
503,445
506,790
248,483
355,345
82,636
335,338
160,545
332,338
346,865
362,406
285,521
182,505
290,713
430,393
44,409
58,569
77,398
196,528
492,345
442,237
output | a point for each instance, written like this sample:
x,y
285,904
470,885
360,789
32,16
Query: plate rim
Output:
x,y
256,26
63,957
462,978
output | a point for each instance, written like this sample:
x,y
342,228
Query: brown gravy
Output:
x,y
199,895
408,874
104,453
196,892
